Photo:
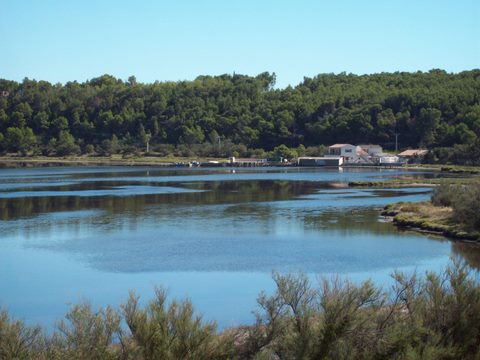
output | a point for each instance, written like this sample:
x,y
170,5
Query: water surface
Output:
x,y
215,235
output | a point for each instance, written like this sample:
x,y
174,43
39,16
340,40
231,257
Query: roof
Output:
x,y
339,145
413,152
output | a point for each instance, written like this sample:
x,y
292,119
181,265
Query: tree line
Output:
x,y
239,114
431,317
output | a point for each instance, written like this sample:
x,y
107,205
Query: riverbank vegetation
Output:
x,y
452,211
464,201
238,115
414,181
451,168
25,161
436,316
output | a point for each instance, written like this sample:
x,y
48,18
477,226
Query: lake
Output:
x,y
71,234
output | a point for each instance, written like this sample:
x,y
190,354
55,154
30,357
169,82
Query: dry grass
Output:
x,y
426,217
103,160
427,211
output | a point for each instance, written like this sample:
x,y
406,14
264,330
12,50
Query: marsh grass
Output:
x,y
453,211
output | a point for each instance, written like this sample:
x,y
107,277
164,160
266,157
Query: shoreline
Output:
x,y
118,160
390,184
95,161
424,217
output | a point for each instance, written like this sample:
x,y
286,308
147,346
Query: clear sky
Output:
x,y
63,40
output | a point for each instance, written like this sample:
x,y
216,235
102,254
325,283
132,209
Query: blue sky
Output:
x,y
62,40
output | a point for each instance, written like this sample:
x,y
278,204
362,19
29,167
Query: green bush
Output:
x,y
444,194
18,341
168,331
435,317
464,199
85,334
466,206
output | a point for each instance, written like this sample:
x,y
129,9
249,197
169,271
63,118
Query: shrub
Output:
x,y
443,195
466,206
85,334
435,317
18,341
169,331
438,317
464,200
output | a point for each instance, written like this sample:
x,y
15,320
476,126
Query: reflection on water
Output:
x,y
470,252
97,232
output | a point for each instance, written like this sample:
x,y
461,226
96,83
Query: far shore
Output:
x,y
99,160
155,160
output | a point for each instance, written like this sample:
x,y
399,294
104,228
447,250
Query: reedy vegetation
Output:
x,y
236,114
433,317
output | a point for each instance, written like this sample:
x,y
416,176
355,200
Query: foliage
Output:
x,y
433,317
460,154
168,331
464,200
215,114
85,334
444,194
284,152
18,341
66,144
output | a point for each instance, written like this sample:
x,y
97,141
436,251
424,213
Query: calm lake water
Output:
x,y
69,234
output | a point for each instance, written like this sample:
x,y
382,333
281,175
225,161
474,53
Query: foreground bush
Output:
x,y
18,341
435,317
168,332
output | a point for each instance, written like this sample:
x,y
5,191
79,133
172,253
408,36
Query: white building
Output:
x,y
320,161
346,151
372,149
350,153
388,159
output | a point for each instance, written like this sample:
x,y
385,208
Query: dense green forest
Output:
x,y
236,114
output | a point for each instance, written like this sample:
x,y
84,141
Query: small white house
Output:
x,y
349,153
372,150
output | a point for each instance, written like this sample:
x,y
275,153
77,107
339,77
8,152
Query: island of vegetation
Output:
x,y
238,115
452,212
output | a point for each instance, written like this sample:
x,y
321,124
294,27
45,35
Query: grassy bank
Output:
x,y
455,169
99,160
452,211
392,183
411,182
426,217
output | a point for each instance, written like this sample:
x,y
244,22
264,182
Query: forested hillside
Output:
x,y
107,115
